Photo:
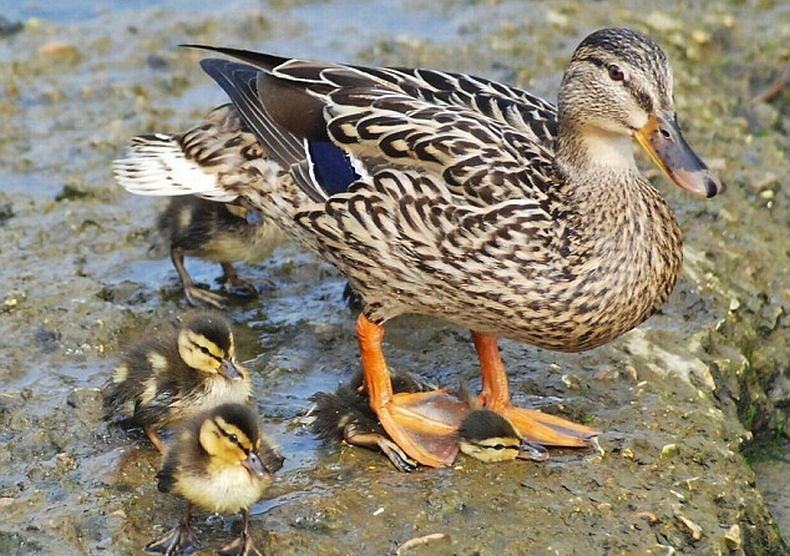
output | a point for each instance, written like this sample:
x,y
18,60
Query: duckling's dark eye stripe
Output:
x,y
206,351
232,437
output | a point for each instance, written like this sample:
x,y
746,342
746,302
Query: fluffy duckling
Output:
x,y
345,415
220,463
221,232
482,434
219,150
489,437
164,380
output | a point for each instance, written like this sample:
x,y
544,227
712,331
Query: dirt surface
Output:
x,y
679,398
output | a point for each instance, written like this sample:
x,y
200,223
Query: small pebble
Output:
x,y
694,530
670,450
733,537
571,381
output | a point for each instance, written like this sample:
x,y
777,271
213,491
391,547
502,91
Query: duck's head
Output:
x,y
230,436
619,86
205,343
489,437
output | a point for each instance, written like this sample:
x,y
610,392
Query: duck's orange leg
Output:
x,y
533,425
423,424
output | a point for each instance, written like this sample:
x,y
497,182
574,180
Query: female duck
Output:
x,y
450,195
168,379
220,463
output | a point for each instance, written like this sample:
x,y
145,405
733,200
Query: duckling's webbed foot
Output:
x,y
235,284
194,294
356,437
179,540
244,545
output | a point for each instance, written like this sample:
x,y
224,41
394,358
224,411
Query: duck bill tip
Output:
x,y
662,140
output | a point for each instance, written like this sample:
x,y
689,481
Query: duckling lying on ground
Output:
x,y
219,462
221,232
168,379
345,415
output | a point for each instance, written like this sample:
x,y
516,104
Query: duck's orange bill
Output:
x,y
662,140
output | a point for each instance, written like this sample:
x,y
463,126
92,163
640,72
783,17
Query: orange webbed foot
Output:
x,y
424,425
549,430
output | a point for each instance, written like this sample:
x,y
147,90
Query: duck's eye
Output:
x,y
204,349
616,74
233,438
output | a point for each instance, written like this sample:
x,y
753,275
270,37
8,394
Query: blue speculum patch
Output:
x,y
331,166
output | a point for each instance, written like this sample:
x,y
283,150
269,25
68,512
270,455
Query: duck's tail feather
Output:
x,y
156,165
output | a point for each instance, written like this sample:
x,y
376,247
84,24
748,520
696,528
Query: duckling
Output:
x,y
482,434
219,232
221,463
346,415
489,437
178,375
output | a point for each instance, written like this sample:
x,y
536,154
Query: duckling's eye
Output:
x,y
615,73
234,438
204,349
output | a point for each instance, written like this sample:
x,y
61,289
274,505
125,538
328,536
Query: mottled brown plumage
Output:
x,y
219,462
165,380
475,201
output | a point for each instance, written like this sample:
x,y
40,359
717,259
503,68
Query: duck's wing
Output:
x,y
344,122
211,160
507,104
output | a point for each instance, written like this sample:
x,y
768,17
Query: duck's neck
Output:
x,y
582,150
626,242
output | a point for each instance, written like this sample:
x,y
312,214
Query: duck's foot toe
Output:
x,y
178,541
197,296
548,430
242,546
241,287
424,425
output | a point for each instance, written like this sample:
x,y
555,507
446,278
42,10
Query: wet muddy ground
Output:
x,y
679,398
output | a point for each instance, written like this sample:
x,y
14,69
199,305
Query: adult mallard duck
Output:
x,y
459,197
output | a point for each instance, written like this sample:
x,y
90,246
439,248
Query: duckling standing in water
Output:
x,y
482,434
221,150
220,463
168,379
221,232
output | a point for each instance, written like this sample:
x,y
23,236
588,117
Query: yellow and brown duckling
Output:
x,y
346,415
221,232
164,380
224,232
220,463
489,437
